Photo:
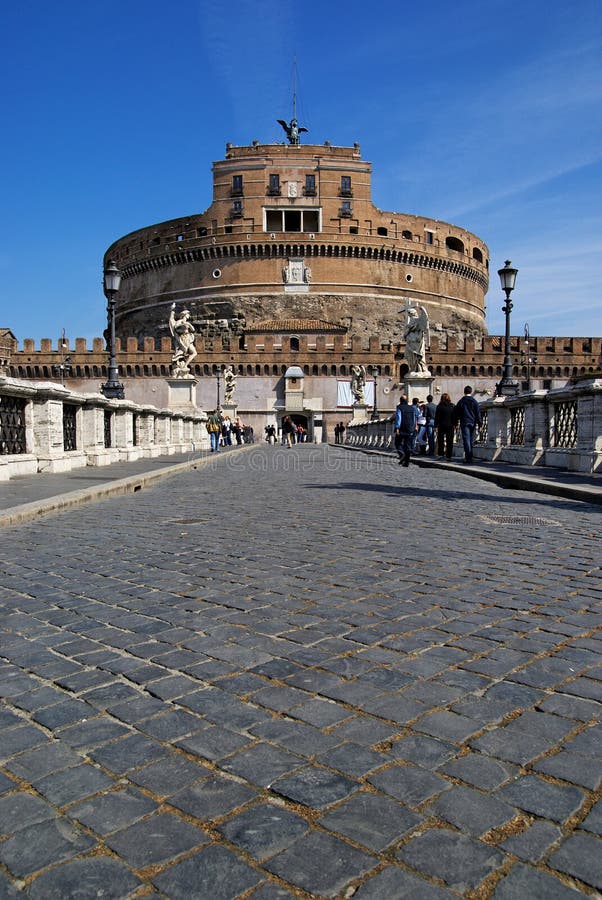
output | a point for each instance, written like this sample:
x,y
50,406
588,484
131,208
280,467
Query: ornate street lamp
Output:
x,y
63,368
374,416
507,387
112,389
218,375
530,360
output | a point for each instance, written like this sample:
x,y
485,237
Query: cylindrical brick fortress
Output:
x,y
292,233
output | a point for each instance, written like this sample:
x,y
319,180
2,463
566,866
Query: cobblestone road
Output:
x,y
303,673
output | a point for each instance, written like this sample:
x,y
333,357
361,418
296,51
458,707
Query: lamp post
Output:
x,y
112,389
506,386
218,375
374,416
63,368
529,359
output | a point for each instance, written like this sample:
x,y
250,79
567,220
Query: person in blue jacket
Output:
x,y
405,429
468,415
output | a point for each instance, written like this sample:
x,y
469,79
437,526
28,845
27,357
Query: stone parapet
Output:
x,y
48,428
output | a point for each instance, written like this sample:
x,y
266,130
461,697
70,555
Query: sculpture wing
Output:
x,y
284,124
302,129
424,325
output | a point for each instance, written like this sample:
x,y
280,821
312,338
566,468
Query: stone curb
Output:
x,y
510,479
129,485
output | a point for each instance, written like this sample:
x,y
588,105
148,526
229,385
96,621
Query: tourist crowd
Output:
x,y
419,425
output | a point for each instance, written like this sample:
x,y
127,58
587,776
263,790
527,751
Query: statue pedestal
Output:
x,y
230,410
418,384
360,413
182,394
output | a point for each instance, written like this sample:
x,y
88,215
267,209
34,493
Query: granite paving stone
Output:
x,y
127,753
42,761
593,821
169,775
471,810
92,877
396,884
6,784
213,872
302,739
448,726
92,733
314,787
551,801
213,743
171,725
481,771
525,882
371,820
461,862
321,864
113,810
572,767
23,737
33,848
580,856
264,830
424,751
533,843
70,785
262,764
19,809
156,840
409,784
587,743
213,797
352,759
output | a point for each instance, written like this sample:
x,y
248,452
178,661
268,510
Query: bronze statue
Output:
x,y
292,130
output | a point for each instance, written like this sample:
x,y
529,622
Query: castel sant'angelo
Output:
x,y
293,269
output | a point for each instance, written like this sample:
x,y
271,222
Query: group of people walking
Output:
x,y
224,432
417,425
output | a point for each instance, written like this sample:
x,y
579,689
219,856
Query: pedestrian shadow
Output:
x,y
412,492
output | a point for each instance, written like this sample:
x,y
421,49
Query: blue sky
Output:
x,y
483,113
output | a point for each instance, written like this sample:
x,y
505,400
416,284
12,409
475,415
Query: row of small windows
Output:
x,y
308,220
343,370
309,189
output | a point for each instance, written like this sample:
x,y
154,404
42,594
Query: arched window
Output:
x,y
314,370
453,243
294,343
383,232
407,235
476,254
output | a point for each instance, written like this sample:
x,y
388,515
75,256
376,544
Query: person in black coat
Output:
x,y
468,414
444,423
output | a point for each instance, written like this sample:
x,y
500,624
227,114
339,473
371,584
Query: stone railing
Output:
x,y
560,428
373,435
45,427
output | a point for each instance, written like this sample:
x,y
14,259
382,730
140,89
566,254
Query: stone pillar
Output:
x,y
182,394
498,429
124,434
418,384
360,413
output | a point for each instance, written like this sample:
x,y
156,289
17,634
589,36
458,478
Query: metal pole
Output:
x,y
375,410
113,389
